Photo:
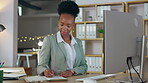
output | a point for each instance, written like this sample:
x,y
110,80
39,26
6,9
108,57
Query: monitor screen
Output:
x,y
122,33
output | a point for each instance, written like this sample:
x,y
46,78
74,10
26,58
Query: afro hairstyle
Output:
x,y
69,7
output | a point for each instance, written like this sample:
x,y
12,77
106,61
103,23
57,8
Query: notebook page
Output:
x,y
56,78
35,78
43,78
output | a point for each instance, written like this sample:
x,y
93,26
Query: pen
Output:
x,y
1,65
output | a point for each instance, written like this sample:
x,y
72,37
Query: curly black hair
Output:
x,y
69,7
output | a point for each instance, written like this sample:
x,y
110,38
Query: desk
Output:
x,y
73,78
26,54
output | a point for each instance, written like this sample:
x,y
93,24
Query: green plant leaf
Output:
x,y
100,30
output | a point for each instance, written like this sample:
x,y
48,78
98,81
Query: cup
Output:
x,y
1,76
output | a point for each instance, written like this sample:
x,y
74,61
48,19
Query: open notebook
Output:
x,y
43,78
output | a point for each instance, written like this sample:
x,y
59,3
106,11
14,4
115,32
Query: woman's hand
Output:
x,y
66,73
48,73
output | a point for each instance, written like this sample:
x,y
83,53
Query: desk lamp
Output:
x,y
2,28
40,43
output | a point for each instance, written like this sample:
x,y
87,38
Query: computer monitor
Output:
x,y
123,33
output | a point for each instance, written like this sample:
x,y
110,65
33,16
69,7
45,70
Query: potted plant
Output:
x,y
101,31
89,18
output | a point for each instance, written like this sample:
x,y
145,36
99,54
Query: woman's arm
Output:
x,y
82,67
44,56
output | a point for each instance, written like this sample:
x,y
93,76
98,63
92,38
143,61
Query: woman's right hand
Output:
x,y
48,73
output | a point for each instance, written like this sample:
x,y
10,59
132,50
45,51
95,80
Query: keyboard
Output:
x,y
98,77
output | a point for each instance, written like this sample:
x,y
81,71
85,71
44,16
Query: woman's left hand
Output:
x,y
66,73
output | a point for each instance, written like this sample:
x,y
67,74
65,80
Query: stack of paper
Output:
x,y
13,73
12,76
7,70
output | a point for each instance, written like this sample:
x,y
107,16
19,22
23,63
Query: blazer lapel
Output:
x,y
77,54
61,45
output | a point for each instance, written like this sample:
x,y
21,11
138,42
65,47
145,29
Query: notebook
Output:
x,y
43,78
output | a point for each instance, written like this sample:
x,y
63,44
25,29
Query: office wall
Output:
x,y
83,2
8,38
40,25
38,22
49,6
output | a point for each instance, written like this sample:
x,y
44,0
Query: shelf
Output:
x,y
137,2
95,55
145,20
92,39
40,15
134,2
112,4
89,22
29,53
102,4
146,56
90,5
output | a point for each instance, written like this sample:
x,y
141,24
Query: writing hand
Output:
x,y
48,73
66,73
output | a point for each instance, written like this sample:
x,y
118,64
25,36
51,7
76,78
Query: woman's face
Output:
x,y
66,23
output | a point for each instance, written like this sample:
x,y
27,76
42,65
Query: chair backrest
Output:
x,y
27,50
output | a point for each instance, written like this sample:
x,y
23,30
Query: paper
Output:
x,y
56,78
35,78
13,75
10,70
43,78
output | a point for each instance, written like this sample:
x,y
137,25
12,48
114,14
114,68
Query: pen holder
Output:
x,y
1,76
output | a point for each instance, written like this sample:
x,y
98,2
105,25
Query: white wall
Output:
x,y
8,38
83,2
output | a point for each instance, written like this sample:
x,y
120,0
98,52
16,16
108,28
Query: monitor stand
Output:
x,y
127,80
136,79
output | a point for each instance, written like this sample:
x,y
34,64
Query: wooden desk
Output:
x,y
73,78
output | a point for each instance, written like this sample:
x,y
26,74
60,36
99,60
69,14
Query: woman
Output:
x,y
62,54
